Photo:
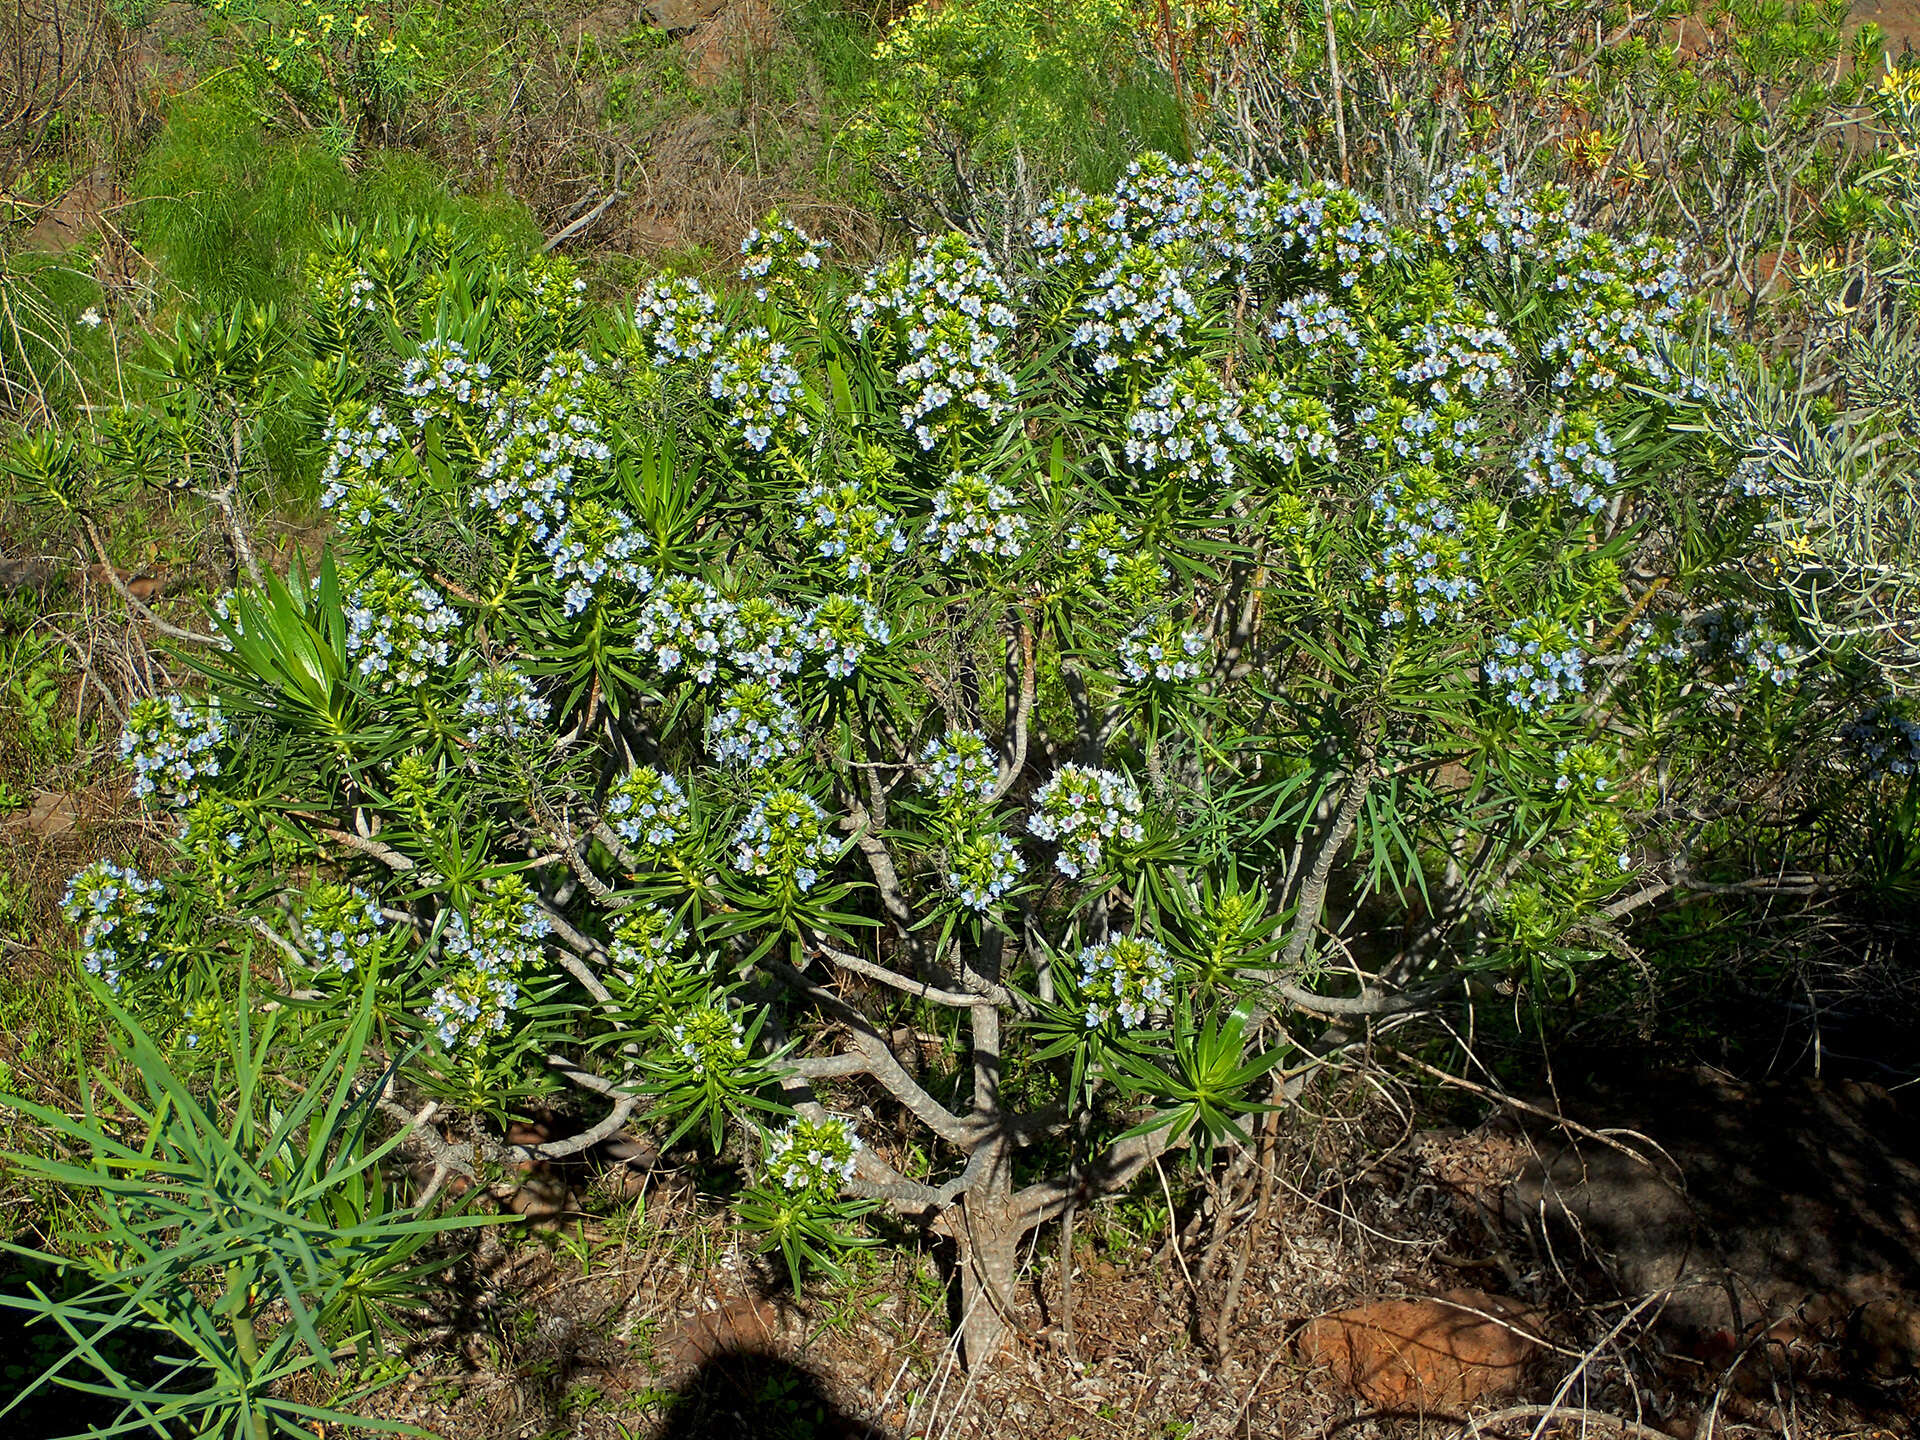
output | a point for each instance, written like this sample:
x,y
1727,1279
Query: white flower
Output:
x,y
974,516
813,1155
1125,980
1163,650
1083,810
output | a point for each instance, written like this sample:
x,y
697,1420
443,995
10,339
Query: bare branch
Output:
x,y
881,1062
166,628
368,846
1022,716
993,996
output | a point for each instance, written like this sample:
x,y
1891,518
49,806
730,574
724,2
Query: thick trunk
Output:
x,y
989,1247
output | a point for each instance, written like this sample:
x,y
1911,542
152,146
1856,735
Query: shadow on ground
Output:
x,y
750,1395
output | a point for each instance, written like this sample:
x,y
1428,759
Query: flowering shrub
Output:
x,y
342,65
1031,648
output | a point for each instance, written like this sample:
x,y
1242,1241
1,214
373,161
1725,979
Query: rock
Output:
x,y
1886,1336
1424,1356
738,1325
681,17
50,814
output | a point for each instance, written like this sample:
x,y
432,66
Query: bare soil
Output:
x,y
1742,1264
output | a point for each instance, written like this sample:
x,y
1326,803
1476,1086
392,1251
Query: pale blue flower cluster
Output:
x,y
960,767
648,808
1165,651
973,516
1537,664
501,704
1758,478
1665,640
497,939
1770,656
770,254
1478,204
816,1157
953,313
1602,350
677,316
398,629
841,628
1570,459
785,836
1425,569
1125,980
982,869
340,926
680,626
1078,234
1210,211
359,443
1432,436
643,940
1136,311
1188,425
753,375
753,724
170,741
1107,539
1332,228
1463,349
746,369
1286,426
1083,810
536,438
1170,231
114,908
1594,263
503,929
1142,256
843,523
597,544
444,382
1209,205
689,624
765,637
1887,742
472,1005
1321,330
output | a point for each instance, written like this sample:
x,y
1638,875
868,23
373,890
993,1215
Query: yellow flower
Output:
x,y
388,46
362,24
